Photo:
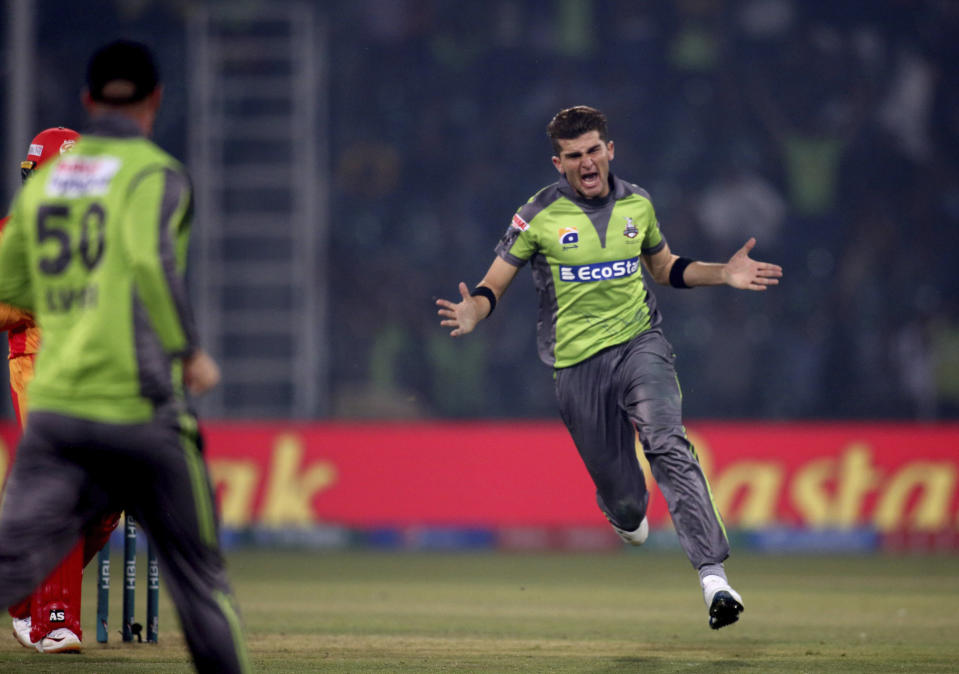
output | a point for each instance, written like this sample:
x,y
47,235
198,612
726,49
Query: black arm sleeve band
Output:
x,y
483,291
676,273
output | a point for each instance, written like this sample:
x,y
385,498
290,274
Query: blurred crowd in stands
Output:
x,y
828,130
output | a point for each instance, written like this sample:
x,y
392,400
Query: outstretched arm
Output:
x,y
741,271
463,316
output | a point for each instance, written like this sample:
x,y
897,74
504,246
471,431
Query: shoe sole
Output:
x,y
724,610
69,647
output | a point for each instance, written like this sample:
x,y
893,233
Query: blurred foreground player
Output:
x,y
585,236
96,249
49,619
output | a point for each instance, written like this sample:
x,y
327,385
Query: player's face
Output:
x,y
585,163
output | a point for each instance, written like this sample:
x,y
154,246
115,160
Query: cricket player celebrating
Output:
x,y
585,237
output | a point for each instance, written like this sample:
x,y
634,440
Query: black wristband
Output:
x,y
483,291
676,273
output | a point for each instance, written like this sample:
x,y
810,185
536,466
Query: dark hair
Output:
x,y
574,122
122,72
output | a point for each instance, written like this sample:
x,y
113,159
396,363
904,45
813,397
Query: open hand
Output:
x,y
745,273
461,316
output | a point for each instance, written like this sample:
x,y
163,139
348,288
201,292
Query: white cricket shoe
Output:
x,y
60,640
21,630
637,537
723,601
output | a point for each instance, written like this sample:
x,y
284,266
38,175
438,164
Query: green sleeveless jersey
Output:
x,y
585,259
96,249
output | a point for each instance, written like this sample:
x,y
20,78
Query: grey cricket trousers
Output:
x,y
69,471
627,389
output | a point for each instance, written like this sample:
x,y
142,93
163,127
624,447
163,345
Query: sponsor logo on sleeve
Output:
x,y
82,176
598,271
519,223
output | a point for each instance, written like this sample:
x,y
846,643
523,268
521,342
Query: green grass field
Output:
x,y
621,612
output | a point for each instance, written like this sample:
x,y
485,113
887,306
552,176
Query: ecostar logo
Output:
x,y
598,271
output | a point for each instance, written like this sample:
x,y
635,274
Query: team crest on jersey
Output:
x,y
82,176
568,237
631,231
519,223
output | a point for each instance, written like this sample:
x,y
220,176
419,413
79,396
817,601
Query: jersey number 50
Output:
x,y
92,237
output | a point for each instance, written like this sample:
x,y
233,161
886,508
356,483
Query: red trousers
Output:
x,y
56,603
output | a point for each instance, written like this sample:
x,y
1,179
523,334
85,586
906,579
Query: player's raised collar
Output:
x,y
114,126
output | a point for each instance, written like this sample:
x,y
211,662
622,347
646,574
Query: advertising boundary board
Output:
x,y
449,484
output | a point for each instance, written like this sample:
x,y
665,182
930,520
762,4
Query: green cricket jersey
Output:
x,y
96,249
585,259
